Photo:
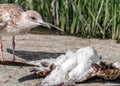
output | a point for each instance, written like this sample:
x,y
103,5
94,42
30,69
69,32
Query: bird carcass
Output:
x,y
72,67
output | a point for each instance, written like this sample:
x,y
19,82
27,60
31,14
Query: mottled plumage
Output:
x,y
15,21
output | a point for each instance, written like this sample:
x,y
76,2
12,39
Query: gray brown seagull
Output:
x,y
15,21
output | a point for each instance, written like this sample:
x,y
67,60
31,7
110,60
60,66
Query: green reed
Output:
x,y
85,18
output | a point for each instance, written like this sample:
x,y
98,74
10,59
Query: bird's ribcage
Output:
x,y
109,74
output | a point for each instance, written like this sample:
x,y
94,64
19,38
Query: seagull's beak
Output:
x,y
44,24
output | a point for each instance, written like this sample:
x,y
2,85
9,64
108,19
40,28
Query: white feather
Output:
x,y
72,67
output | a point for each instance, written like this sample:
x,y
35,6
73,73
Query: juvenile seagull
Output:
x,y
15,21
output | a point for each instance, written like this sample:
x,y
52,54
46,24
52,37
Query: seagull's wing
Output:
x,y
4,18
9,12
13,9
2,25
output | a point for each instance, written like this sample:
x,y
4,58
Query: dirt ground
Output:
x,y
33,47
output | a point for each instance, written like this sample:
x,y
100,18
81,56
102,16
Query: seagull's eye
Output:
x,y
33,18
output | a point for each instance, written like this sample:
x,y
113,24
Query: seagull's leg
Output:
x,y
1,49
13,45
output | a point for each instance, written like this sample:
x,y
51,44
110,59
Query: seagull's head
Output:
x,y
35,19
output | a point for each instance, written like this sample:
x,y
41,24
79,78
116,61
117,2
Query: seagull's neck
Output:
x,y
23,17
23,22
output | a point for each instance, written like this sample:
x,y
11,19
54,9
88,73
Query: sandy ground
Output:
x,y
33,47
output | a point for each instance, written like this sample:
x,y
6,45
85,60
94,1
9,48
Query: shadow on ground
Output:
x,y
100,80
30,55
29,77
16,63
